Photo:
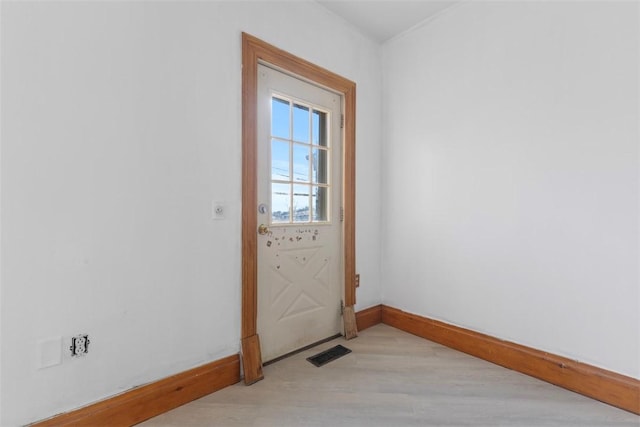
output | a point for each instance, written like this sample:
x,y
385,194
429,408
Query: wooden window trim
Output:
x,y
256,51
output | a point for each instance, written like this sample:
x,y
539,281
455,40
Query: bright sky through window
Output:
x,y
299,163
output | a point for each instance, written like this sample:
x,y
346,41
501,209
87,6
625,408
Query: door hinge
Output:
x,y
341,307
341,121
341,214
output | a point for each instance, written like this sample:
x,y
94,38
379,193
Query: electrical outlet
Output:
x,y
79,345
357,280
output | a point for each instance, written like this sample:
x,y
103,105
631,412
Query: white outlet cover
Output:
x,y
218,210
49,352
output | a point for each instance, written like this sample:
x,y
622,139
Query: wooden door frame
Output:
x,y
256,51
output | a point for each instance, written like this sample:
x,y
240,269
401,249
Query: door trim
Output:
x,y
254,51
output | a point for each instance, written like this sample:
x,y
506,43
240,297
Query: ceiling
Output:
x,y
384,19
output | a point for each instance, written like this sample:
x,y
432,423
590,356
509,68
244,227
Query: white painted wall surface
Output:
x,y
511,175
120,126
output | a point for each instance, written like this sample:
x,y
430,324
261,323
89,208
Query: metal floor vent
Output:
x,y
327,356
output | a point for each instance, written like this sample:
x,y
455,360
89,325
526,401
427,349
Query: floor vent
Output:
x,y
327,356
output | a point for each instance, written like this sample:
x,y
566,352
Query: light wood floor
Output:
x,y
393,379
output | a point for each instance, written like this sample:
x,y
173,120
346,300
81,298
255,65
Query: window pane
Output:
x,y
320,172
280,202
319,128
301,123
280,160
320,204
301,162
280,118
301,203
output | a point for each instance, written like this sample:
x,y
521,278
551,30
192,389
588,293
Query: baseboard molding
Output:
x,y
142,403
606,386
252,359
369,317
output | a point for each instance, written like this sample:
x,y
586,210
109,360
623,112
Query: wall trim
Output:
x,y
369,317
144,402
606,386
255,51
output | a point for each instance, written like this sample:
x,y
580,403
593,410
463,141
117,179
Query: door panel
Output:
x,y
299,198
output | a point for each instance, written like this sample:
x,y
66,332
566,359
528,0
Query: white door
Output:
x,y
299,203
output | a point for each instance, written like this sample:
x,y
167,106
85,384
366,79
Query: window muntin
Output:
x,y
300,163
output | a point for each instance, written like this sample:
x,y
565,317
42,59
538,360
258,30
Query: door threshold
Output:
x,y
300,350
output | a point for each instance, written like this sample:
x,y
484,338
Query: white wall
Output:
x,y
120,125
510,193
511,175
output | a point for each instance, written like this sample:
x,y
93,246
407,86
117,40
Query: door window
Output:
x,y
300,165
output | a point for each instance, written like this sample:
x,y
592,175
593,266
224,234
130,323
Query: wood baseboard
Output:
x,y
142,403
252,359
369,317
606,386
